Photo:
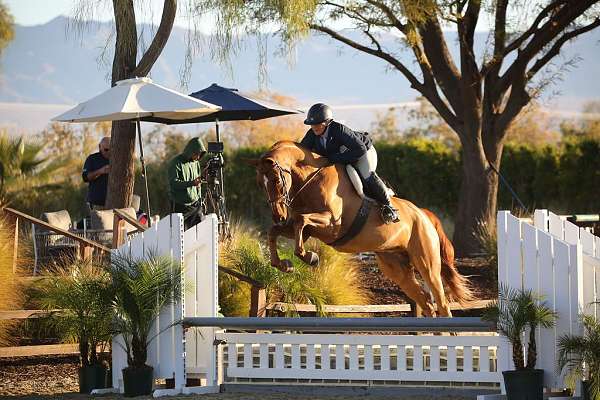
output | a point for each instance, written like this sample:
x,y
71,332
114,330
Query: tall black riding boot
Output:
x,y
378,191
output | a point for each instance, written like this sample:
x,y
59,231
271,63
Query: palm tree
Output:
x,y
142,287
514,313
580,355
22,166
81,290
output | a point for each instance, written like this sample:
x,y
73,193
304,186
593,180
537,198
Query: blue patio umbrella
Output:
x,y
235,106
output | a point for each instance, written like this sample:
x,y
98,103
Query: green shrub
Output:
x,y
335,281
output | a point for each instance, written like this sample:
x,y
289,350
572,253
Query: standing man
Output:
x,y
184,172
95,173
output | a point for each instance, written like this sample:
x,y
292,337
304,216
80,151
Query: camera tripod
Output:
x,y
213,199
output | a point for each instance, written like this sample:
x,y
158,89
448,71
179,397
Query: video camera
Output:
x,y
215,147
215,162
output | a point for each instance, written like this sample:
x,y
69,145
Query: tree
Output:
x,y
7,32
23,167
478,97
125,65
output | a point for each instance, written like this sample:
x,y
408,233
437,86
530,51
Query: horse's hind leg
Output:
x,y
425,256
396,267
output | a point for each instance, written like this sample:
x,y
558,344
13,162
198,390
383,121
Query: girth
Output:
x,y
359,222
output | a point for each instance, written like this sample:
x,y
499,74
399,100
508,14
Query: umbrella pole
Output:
x,y
217,130
139,129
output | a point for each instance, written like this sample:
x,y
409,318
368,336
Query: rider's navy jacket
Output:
x,y
344,145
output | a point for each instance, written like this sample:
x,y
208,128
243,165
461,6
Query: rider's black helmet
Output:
x,y
318,113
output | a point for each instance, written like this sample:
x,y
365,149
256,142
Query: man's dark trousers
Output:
x,y
192,213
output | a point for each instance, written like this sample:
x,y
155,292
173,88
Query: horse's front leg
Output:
x,y
316,220
286,230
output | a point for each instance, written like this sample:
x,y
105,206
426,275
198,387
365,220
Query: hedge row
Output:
x,y
564,178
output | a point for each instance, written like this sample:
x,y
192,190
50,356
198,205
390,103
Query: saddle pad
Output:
x,y
355,179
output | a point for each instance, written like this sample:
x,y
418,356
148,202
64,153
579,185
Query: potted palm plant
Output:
x,y
516,313
142,287
81,291
580,356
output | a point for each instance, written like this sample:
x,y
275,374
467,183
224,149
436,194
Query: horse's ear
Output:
x,y
253,162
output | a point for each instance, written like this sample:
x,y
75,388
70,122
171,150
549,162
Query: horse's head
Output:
x,y
276,181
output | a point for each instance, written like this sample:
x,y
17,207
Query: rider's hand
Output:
x,y
323,162
197,181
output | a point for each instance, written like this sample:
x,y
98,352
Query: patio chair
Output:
x,y
48,246
102,225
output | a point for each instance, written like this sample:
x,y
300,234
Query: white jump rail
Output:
x,y
359,358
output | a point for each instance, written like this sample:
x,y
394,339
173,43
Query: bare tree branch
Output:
x,y
353,13
501,50
562,18
534,26
429,91
373,40
555,49
466,32
442,65
389,13
415,84
160,39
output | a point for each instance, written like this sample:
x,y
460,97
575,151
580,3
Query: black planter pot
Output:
x,y
525,384
92,377
137,381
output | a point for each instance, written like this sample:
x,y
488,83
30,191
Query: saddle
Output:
x,y
358,184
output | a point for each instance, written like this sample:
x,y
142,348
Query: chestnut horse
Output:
x,y
311,197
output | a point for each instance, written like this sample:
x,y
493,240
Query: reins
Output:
x,y
285,195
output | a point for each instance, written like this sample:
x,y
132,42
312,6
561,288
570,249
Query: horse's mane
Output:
x,y
289,148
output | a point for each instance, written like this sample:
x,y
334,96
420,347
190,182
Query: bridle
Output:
x,y
285,193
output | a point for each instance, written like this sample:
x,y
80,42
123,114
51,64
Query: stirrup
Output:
x,y
389,214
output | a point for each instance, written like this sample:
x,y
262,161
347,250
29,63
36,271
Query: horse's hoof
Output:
x,y
285,266
311,258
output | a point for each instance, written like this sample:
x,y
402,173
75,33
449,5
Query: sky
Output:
x,y
36,12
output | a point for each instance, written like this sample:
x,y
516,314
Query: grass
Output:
x,y
10,290
335,281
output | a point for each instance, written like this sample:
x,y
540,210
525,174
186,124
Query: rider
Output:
x,y
342,145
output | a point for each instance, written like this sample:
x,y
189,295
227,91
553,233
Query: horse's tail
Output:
x,y
458,287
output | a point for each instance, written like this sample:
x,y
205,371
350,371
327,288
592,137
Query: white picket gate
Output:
x,y
558,260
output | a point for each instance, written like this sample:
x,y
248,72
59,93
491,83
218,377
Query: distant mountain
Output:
x,y
51,64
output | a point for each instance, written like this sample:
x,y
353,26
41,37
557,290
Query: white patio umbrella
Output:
x,y
134,99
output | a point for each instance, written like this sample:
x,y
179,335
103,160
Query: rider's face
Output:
x,y
319,129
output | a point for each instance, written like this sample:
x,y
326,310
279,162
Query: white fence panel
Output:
x,y
197,251
162,239
546,288
201,296
558,260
